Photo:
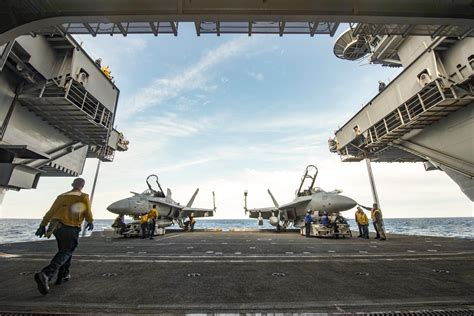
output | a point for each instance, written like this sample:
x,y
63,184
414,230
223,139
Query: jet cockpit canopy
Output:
x,y
310,174
151,191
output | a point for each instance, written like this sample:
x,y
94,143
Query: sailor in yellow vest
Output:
x,y
65,219
361,233
107,72
144,225
363,222
377,221
152,216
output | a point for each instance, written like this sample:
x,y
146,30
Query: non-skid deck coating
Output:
x,y
244,272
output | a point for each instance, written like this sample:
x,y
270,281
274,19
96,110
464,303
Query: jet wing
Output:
x,y
297,202
198,212
265,212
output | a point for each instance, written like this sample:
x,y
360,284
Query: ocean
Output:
x,y
20,230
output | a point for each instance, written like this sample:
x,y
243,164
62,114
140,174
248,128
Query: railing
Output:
x,y
427,106
77,95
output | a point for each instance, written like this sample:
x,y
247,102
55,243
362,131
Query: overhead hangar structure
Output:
x,y
119,17
57,108
426,114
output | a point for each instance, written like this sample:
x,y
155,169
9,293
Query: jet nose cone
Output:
x,y
345,203
119,207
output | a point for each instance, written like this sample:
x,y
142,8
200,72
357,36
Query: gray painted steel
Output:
x,y
235,273
56,109
170,211
453,18
424,115
310,198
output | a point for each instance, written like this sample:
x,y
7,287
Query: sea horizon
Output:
x,y
23,229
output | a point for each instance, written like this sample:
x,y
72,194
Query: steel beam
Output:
x,y
372,183
464,167
20,17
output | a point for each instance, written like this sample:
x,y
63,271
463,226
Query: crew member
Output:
x,y
107,72
65,218
192,221
308,219
144,225
119,224
152,216
362,222
377,221
358,224
382,85
98,62
325,219
186,224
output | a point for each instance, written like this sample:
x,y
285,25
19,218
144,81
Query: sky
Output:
x,y
235,113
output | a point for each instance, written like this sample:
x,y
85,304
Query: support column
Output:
x,y
92,194
2,195
372,182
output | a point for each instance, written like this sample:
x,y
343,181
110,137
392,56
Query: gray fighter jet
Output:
x,y
170,211
313,199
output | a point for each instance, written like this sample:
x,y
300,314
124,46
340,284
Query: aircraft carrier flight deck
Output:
x,y
245,271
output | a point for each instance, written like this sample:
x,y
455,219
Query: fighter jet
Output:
x,y
171,212
313,199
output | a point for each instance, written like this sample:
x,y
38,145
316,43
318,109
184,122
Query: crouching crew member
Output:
x,y
152,216
119,224
65,219
144,225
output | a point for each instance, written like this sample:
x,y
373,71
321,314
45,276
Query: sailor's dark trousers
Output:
x,y
365,231
151,228
144,227
376,230
308,229
67,238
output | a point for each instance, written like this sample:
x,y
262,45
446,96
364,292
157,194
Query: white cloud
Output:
x,y
256,75
400,196
194,77
303,121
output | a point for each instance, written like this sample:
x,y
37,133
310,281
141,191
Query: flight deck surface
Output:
x,y
203,272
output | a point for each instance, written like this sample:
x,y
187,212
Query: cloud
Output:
x,y
256,75
304,122
106,47
399,191
194,77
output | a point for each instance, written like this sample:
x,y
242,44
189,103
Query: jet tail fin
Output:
x,y
168,194
273,199
191,201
